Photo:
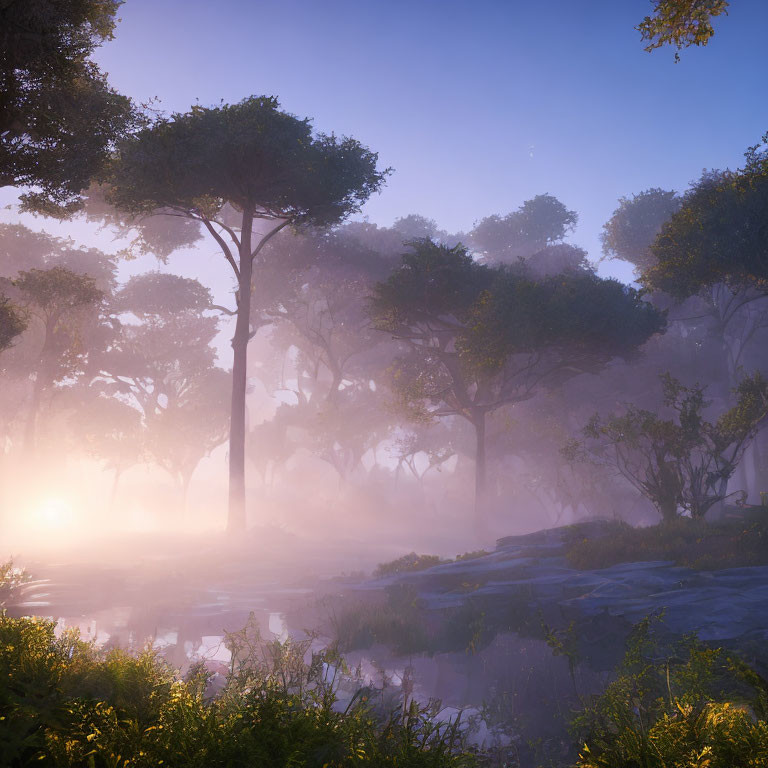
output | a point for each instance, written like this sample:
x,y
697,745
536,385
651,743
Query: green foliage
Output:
x,y
65,704
401,622
687,706
473,555
584,319
718,235
432,281
11,577
65,305
158,294
696,544
59,118
407,564
12,323
683,462
56,291
681,23
635,225
250,155
483,337
536,224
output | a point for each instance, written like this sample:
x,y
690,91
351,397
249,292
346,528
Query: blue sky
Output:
x,y
476,105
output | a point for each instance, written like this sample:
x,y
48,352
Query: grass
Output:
x,y
692,543
65,704
412,563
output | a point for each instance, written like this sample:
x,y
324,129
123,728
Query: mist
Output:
x,y
388,390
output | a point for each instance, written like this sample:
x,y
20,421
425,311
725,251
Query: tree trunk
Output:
x,y
30,430
758,468
41,376
236,520
113,492
481,490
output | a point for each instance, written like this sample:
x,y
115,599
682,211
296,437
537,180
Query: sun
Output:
x,y
54,512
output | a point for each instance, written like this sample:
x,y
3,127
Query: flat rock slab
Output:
x,y
721,606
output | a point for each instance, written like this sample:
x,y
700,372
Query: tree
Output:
x,y
314,290
681,23
181,434
719,235
479,338
635,225
229,168
12,323
715,247
733,315
429,445
682,462
111,431
57,299
538,223
58,116
163,366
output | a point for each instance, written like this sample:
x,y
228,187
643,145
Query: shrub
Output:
x,y
64,703
407,564
11,577
688,706
692,543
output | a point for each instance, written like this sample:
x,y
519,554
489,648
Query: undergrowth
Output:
x,y
693,543
64,703
689,706
412,563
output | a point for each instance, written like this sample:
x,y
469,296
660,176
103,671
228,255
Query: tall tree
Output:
x,y
479,338
59,300
635,225
163,366
58,116
538,223
314,289
232,168
181,434
153,362
111,431
719,235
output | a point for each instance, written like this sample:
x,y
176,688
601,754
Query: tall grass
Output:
x,y
64,703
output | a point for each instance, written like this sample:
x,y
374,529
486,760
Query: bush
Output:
x,y
684,707
407,564
692,543
64,703
11,577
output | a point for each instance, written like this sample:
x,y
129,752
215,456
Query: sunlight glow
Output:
x,y
54,513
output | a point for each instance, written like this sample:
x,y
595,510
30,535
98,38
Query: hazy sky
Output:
x,y
476,105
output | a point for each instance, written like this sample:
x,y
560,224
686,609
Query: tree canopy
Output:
x,y
250,156
539,222
635,224
59,118
719,235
